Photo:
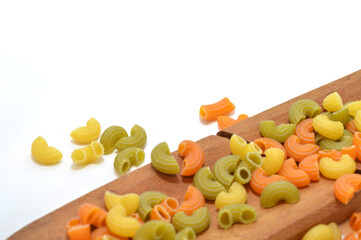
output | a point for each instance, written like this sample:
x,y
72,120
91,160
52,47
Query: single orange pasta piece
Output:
x,y
225,121
336,155
72,223
266,143
159,213
193,157
304,130
214,110
98,234
298,151
355,221
357,143
193,200
351,126
346,186
294,174
136,216
260,180
171,205
80,232
99,220
88,213
310,165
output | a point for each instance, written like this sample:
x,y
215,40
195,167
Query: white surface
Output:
x,y
151,63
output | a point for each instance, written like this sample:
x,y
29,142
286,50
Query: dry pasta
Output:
x,y
43,153
354,107
193,200
155,229
294,174
242,175
186,234
355,221
162,160
130,201
332,102
110,136
252,161
351,126
336,155
273,160
277,191
87,134
225,121
310,166
224,168
120,224
279,133
344,141
260,180
341,115
214,110
327,128
304,131
320,232
171,205
88,154
128,157
236,194
193,157
159,213
333,169
266,143
147,201
206,183
298,151
234,213
346,186
303,108
240,147
137,138
199,220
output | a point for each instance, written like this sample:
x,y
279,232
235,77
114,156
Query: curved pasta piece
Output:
x,y
159,213
332,102
205,182
163,161
199,220
327,128
344,141
277,191
252,161
304,130
155,229
357,142
193,157
128,157
333,169
193,200
147,201
171,205
79,232
234,213
137,138
355,221
186,234
298,151
87,134
260,180
130,201
310,166
240,147
120,224
336,231
242,175
99,220
75,221
336,155
214,110
279,133
273,160
294,174
236,194
88,154
266,143
353,107
303,108
320,232
43,153
224,168
110,136
341,115
351,126
346,186
225,121
87,213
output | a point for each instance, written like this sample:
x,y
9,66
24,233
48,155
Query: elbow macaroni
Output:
x,y
43,153
87,134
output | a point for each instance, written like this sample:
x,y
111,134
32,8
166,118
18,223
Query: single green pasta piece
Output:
x,y
235,213
341,115
329,144
128,157
224,168
242,175
110,136
206,183
163,161
199,220
186,234
252,161
277,191
155,229
137,138
147,201
122,165
303,108
279,133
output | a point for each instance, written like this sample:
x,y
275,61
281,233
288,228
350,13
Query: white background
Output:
x,y
151,63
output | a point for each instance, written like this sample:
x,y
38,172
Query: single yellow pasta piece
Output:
x,y
333,169
88,154
320,232
358,120
87,134
129,201
43,153
354,107
273,160
240,147
120,224
236,194
332,102
327,128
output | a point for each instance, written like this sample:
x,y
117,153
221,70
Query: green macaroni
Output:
x,y
199,220
224,168
279,133
163,161
155,229
137,138
302,109
341,115
277,191
252,161
344,141
205,182
122,164
147,201
242,175
234,213
132,156
186,234
110,136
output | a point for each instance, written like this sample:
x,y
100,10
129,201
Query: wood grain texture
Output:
x,y
284,221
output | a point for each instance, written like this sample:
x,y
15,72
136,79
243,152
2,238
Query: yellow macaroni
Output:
x,y
333,169
273,160
332,102
88,154
43,153
358,120
327,128
320,232
87,134
120,224
354,107
236,194
129,201
240,147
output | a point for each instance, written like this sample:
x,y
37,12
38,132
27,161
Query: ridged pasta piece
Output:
x,y
357,142
88,154
279,133
147,201
351,126
333,169
266,143
336,231
327,128
225,121
236,194
206,183
252,161
294,174
353,107
120,224
163,161
214,110
336,155
99,220
224,168
43,153
260,180
155,229
320,232
80,232
171,205
186,234
242,175
357,120
193,157
298,151
332,102
87,213
72,222
304,130
87,134
110,136
346,186
130,201
159,213
344,141
234,213
303,108
310,166
341,115
199,220
193,199
355,221
137,138
128,157
273,160
240,147
277,191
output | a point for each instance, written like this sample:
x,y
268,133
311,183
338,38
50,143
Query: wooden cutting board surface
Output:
x,y
284,221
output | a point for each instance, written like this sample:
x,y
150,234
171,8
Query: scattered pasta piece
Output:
x,y
155,229
43,153
193,200
327,128
267,143
225,121
355,221
162,160
199,220
354,107
87,134
186,234
159,213
279,133
294,174
88,213
130,201
137,138
346,186
252,161
336,155
332,102
120,224
277,191
310,166
334,169
303,108
88,154
147,201
320,232
214,110
224,168
207,184
79,232
260,180
234,213
171,205
304,130
236,194
298,151
351,126
110,136
273,160
344,141
193,157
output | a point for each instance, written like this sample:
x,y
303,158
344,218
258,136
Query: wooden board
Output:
x,y
317,205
